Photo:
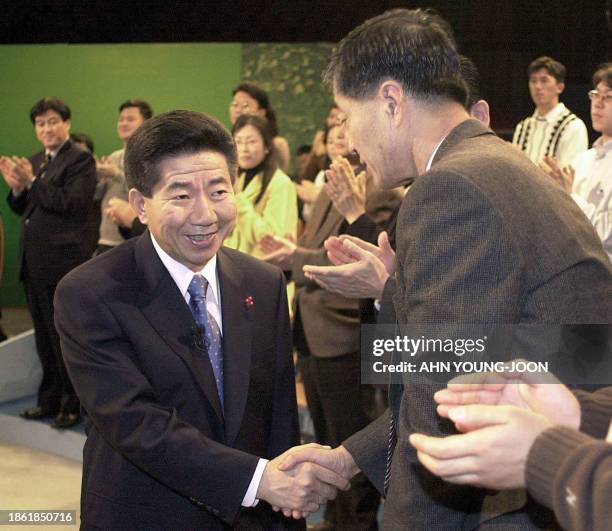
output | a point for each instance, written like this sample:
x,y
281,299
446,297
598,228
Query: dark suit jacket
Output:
x,y
483,237
330,322
160,454
54,214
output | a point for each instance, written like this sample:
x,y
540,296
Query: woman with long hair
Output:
x,y
265,195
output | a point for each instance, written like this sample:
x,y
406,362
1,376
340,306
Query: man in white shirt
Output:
x,y
589,180
553,130
180,351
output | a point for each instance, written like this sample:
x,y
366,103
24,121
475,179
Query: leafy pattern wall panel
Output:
x,y
291,74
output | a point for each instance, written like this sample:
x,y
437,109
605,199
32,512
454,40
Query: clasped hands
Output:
x,y
499,416
17,172
298,481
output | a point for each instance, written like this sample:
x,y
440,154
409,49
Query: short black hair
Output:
x,y
412,46
471,76
603,74
262,99
552,66
170,134
50,104
82,138
145,109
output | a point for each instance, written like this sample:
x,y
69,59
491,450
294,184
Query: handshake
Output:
x,y
298,481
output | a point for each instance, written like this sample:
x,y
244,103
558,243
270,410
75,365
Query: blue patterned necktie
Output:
x,y
197,304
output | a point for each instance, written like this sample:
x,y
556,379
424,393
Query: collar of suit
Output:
x,y
164,306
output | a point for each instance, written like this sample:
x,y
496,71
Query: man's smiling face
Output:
x,y
192,208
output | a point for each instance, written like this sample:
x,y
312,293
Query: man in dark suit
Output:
x,y
52,191
482,237
180,352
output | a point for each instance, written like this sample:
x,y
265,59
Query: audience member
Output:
x,y
248,98
52,191
336,145
589,180
473,246
265,196
317,161
520,430
553,130
180,351
111,179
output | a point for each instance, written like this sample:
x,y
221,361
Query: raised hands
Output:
x,y
493,451
360,269
305,477
107,169
500,415
347,191
121,212
538,393
307,191
562,176
279,251
17,172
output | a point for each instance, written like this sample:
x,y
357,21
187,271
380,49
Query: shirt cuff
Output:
x,y
249,499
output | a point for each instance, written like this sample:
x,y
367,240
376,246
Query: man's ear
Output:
x,y
391,93
137,202
480,111
560,87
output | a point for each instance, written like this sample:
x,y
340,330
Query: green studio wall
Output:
x,y
94,80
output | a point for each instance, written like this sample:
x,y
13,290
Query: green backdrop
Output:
x,y
95,79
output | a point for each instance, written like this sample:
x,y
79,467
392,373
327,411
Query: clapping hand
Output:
x,y
360,269
17,172
121,212
107,169
500,415
279,251
346,190
562,176
541,394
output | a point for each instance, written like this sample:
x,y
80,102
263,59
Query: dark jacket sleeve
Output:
x,y
596,411
571,473
76,190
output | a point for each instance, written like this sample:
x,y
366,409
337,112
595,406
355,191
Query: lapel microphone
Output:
x,y
198,338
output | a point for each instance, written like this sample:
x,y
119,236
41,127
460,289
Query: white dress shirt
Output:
x,y
592,189
182,276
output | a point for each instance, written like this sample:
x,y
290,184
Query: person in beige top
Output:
x,y
111,179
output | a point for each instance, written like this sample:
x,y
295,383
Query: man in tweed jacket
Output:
x,y
482,237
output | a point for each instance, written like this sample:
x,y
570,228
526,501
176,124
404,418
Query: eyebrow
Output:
x,y
188,184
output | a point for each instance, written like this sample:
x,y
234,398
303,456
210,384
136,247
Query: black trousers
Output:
x,y
340,406
55,393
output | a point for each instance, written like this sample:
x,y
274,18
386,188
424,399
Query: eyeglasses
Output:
x,y
595,95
